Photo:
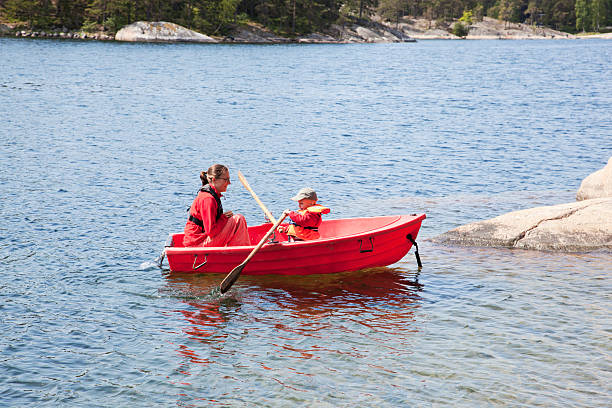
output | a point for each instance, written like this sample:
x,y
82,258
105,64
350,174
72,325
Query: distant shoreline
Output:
x,y
375,32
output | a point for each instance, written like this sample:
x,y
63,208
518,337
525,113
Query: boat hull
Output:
x,y
345,245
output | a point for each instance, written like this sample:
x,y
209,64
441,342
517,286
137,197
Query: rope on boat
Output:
x,y
416,251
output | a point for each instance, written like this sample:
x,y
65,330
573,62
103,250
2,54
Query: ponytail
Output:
x,y
216,170
204,178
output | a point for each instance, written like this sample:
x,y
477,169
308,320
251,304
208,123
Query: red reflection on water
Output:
x,y
287,386
192,356
301,310
204,319
382,299
203,325
303,353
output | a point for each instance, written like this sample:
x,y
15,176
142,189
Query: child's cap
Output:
x,y
305,193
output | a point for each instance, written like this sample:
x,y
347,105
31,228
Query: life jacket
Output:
x,y
207,189
307,233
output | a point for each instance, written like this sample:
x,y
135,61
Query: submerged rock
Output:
x,y
596,185
160,31
573,227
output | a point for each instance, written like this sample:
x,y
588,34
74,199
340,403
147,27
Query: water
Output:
x,y
101,147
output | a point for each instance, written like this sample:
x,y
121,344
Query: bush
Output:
x,y
460,30
115,23
466,17
90,26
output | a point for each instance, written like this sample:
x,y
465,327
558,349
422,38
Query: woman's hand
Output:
x,y
228,214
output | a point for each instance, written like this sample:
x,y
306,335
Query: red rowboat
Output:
x,y
345,245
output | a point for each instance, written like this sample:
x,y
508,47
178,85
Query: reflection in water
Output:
x,y
308,296
286,323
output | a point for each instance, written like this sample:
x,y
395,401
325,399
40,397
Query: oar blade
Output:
x,y
231,278
233,275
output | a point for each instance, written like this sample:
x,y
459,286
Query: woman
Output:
x,y
208,225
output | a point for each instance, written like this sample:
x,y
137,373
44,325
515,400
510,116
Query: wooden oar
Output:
x,y
233,275
261,205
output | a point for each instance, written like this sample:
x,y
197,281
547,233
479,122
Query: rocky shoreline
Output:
x,y
581,226
375,31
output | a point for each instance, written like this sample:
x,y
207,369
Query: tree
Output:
x,y
560,14
582,15
598,12
509,10
532,12
71,13
36,13
392,10
358,8
466,17
478,11
215,15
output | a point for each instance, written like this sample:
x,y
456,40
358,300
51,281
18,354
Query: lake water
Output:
x,y
101,145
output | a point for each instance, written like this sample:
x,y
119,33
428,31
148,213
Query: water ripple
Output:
x,y
100,162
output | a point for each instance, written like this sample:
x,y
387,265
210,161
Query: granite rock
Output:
x,y
160,31
597,185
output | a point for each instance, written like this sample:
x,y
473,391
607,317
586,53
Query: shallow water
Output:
x,y
102,144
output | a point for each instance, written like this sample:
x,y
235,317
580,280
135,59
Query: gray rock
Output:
x,y
253,33
573,227
317,38
596,185
372,36
160,31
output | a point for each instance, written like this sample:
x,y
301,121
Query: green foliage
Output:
x,y
358,8
466,17
460,30
591,14
582,15
532,13
598,12
392,10
507,10
35,13
90,26
70,13
292,17
478,12
114,23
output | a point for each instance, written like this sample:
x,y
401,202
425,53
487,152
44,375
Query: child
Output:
x,y
305,222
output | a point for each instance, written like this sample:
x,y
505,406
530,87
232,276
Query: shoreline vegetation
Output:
x,y
371,31
305,21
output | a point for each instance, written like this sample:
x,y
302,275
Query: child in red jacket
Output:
x,y
305,222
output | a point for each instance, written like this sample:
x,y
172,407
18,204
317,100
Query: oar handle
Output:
x,y
261,205
235,273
